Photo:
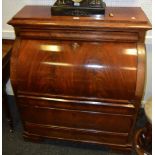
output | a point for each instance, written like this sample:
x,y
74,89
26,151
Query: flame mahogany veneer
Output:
x,y
79,78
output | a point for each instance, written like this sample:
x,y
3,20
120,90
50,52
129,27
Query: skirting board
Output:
x,y
7,34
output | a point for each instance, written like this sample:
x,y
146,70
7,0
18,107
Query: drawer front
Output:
x,y
77,119
80,35
75,134
76,103
89,69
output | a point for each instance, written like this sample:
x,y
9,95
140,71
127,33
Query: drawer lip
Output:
x,y
78,98
75,104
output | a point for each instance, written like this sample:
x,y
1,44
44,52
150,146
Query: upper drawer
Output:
x,y
80,35
120,107
90,69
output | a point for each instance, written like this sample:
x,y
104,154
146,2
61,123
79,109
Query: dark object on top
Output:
x,y
85,8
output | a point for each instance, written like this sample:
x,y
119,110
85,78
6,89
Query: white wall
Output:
x,y
148,87
10,7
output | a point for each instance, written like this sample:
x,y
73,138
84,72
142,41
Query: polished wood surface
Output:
x,y
126,17
79,78
67,68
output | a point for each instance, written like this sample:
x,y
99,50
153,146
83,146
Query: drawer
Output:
x,y
77,119
82,116
122,107
80,35
75,134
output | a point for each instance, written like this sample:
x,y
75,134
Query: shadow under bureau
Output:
x,y
79,78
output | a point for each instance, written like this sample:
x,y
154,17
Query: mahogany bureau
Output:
x,y
79,78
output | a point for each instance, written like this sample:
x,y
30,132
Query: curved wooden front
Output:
x,y
88,69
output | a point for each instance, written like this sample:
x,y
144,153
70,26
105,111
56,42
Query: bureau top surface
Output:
x,y
125,17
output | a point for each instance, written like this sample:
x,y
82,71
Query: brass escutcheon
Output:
x,y
75,45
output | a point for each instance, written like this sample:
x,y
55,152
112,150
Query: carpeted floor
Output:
x,y
13,143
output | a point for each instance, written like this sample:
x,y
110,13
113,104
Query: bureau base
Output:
x,y
38,139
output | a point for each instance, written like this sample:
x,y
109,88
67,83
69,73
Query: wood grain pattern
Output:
x,y
64,70
76,103
40,16
83,75
79,35
70,133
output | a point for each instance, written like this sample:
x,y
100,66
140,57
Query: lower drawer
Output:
x,y
74,134
77,119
